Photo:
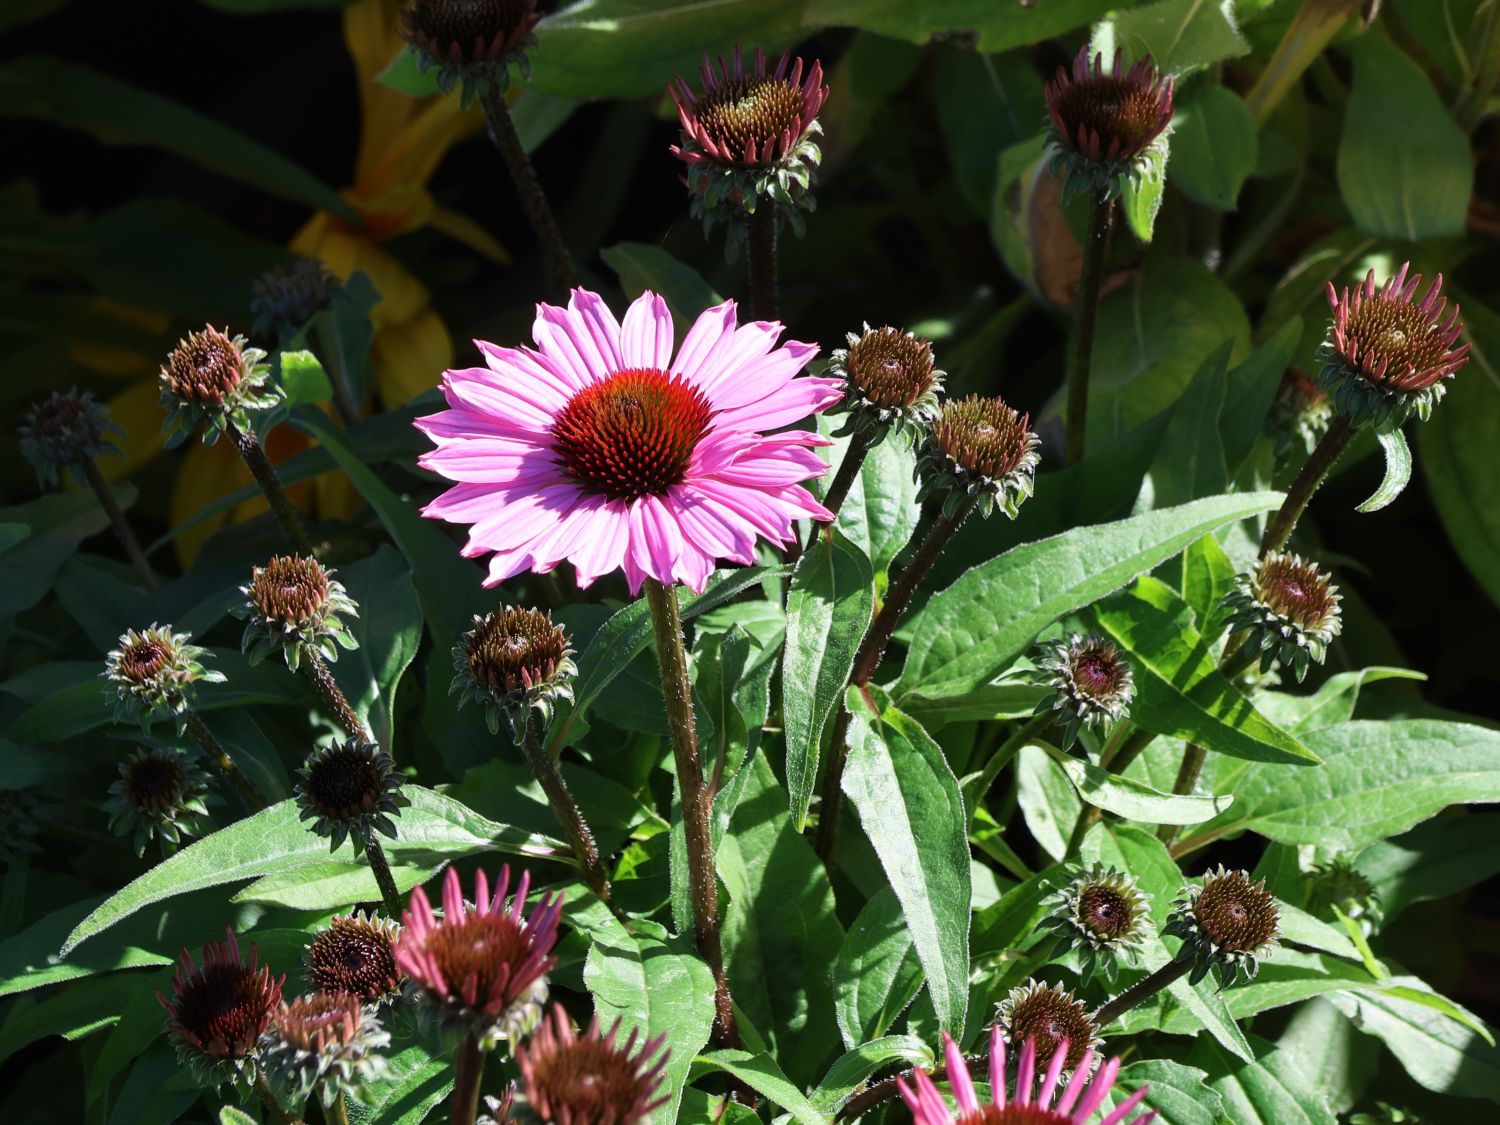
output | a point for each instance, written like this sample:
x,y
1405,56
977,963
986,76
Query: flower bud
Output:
x,y
890,383
473,43
328,1043
293,604
284,299
349,788
65,430
160,795
213,380
355,954
1300,413
1228,924
979,447
1289,611
577,1079
217,1013
1338,887
514,660
151,675
1107,126
1049,1015
1092,684
1105,915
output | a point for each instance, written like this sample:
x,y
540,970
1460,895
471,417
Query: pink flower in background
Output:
x,y
1074,1103
601,449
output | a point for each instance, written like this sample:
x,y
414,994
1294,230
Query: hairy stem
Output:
x,y
383,877
697,798
338,1113
265,475
843,480
273,1107
1314,472
1086,311
123,530
322,677
887,1088
223,761
762,260
529,188
565,809
468,1068
1142,991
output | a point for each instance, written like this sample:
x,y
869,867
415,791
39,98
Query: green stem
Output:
x,y
697,798
529,188
1095,242
338,1113
887,1088
468,1068
565,809
383,877
220,758
762,260
1142,991
1314,472
265,475
322,678
123,530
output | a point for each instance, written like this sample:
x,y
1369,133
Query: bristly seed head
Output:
x,y
217,1013
890,382
1049,1015
293,604
513,660
348,788
355,954
1091,683
65,430
472,42
1228,924
1107,126
1105,915
1289,610
1388,356
980,447
150,675
590,1079
160,794
213,380
287,297
328,1043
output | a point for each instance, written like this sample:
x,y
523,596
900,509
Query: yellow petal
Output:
x,y
410,357
471,234
207,473
138,409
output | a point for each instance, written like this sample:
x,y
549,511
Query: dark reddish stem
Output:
x,y
468,1069
220,758
123,530
565,809
1142,991
1095,242
529,188
762,260
322,677
265,475
1314,472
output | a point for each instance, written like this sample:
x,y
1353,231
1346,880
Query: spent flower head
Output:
x,y
1389,356
1289,611
473,43
979,447
160,795
63,431
512,661
327,1043
217,1013
1104,915
349,788
1052,1017
151,675
1108,125
1091,683
212,380
283,299
890,383
355,953
748,138
293,604
590,1079
1227,924
1023,1102
479,969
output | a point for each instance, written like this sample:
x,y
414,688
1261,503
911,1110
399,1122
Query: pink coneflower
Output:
x,y
590,1079
1073,1104
601,449
747,116
1105,121
479,970
217,1013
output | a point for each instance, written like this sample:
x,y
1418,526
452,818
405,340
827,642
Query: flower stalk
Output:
x,y
333,695
273,1107
254,456
1095,243
389,895
1143,990
697,797
761,262
529,187
565,809
123,531
220,758
1309,479
468,1069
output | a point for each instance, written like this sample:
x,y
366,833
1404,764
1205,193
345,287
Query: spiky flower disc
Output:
x,y
473,43
511,661
328,1042
293,604
285,298
890,382
1288,608
1388,356
160,795
151,675
748,137
1049,1015
590,1079
1108,126
348,788
217,1013
479,969
1092,683
979,447
1228,925
355,953
1024,1103
63,431
1104,914
211,379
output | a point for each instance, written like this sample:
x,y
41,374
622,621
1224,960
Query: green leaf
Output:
x,y
828,610
1324,1043
388,629
1141,200
1207,575
642,266
276,841
415,1082
1190,461
1377,780
911,809
406,74
1437,1050
998,27
1133,800
853,1069
1252,388
1213,147
1413,190
228,1115
1434,860
329,885
74,1012
761,1074
969,633
985,103
1270,1089
303,379
877,972
644,978
77,97
1048,800
1331,704
1181,35
1179,690
55,526
1397,470
881,512
1179,1094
